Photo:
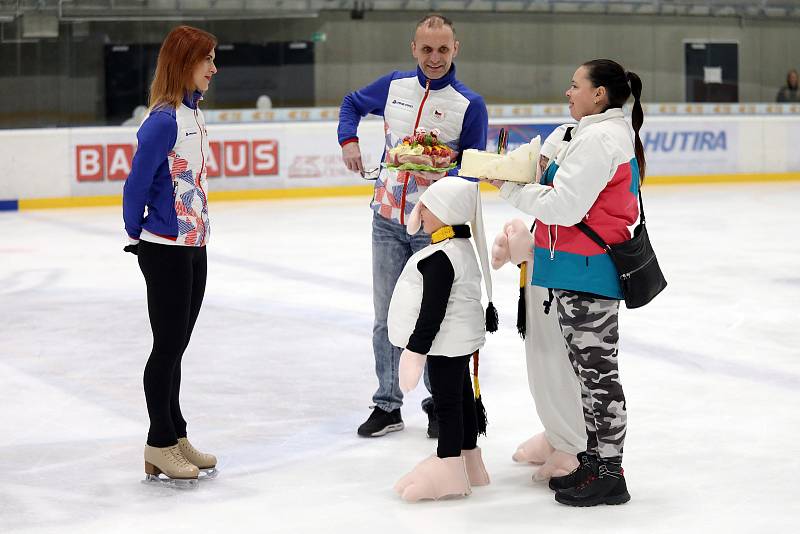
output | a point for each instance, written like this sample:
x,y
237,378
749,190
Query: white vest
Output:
x,y
187,163
463,329
443,109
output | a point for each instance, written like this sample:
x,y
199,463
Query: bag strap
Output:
x,y
641,206
594,236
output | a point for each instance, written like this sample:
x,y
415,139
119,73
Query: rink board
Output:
x,y
71,167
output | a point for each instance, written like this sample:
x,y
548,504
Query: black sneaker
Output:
x,y
608,487
433,423
586,469
381,422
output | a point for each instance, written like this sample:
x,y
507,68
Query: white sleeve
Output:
x,y
552,142
583,173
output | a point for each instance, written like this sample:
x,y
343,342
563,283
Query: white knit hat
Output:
x,y
457,201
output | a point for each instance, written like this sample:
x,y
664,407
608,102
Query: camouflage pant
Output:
x,y
590,331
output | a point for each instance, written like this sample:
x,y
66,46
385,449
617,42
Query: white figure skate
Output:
x,y
206,463
168,461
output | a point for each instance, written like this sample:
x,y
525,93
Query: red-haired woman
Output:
x,y
168,177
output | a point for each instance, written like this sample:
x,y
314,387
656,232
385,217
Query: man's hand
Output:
x,y
351,155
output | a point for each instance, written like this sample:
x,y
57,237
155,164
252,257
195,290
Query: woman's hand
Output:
x,y
543,161
540,168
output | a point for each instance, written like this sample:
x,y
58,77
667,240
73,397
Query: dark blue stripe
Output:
x,y
9,205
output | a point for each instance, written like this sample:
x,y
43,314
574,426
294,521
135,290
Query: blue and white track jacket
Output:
x,y
168,177
406,101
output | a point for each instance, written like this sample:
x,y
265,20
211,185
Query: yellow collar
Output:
x,y
442,234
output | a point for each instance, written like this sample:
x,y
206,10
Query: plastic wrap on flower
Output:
x,y
421,152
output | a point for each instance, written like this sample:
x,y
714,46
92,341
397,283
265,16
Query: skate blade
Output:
x,y
176,483
208,474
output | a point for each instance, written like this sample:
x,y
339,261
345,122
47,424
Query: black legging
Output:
x,y
176,281
454,403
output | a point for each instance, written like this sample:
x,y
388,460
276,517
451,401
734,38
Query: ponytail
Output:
x,y
637,119
620,85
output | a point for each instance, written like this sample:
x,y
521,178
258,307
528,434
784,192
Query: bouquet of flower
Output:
x,y
421,152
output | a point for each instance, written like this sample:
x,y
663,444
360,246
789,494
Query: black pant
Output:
x,y
454,403
176,281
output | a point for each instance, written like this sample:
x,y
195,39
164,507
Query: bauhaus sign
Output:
x,y
230,158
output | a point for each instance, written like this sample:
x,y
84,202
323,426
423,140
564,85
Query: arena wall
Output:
x,y
87,166
507,57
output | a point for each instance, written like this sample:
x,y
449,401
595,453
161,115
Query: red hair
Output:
x,y
180,53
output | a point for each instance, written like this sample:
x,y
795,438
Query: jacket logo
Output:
x,y
400,103
437,115
190,133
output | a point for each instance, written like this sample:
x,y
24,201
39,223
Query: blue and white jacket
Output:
x,y
406,101
168,177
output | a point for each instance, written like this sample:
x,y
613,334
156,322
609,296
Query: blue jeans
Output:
x,y
391,248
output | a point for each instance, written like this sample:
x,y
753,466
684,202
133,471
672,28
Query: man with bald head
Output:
x,y
428,97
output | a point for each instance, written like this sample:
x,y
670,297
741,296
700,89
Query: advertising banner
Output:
x,y
691,147
77,162
518,134
672,147
241,157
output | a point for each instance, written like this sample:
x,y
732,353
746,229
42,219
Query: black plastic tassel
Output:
x,y
523,281
491,318
480,411
521,313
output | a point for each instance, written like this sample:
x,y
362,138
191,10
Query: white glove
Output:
x,y
514,244
412,364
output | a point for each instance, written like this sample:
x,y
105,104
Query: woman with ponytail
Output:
x,y
594,178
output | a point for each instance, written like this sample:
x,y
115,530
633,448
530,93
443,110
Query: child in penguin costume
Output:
x,y
436,315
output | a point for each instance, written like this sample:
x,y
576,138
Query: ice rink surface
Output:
x,y
280,373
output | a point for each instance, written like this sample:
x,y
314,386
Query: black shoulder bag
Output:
x,y
639,274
